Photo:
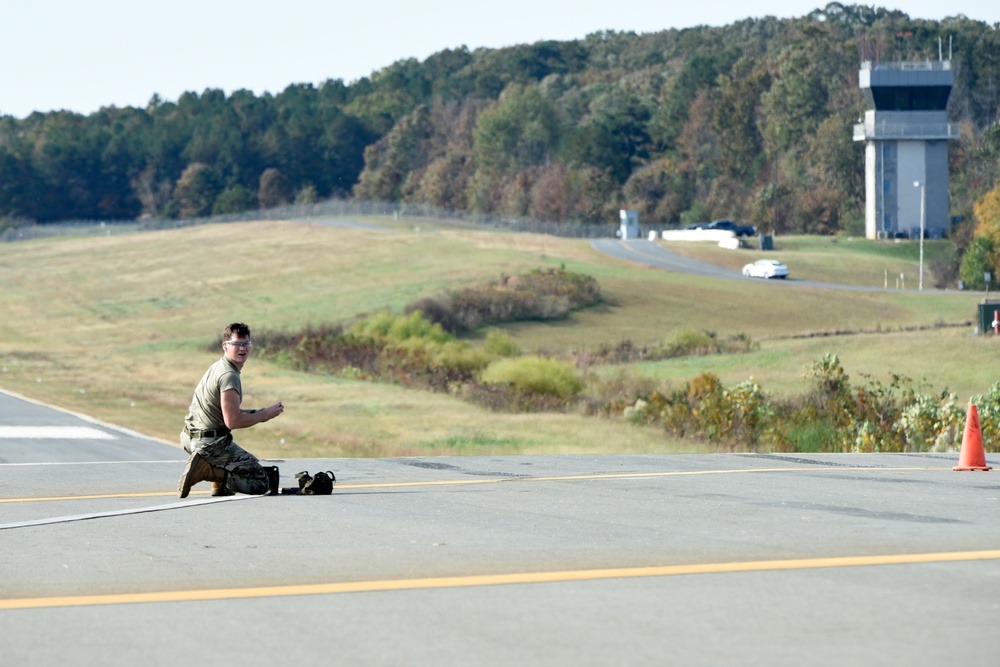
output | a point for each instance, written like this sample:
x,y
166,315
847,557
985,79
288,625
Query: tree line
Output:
x,y
752,121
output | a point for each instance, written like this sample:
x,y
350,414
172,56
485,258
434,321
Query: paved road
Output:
x,y
555,560
35,434
653,254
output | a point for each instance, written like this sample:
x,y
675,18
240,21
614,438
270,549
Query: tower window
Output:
x,y
910,98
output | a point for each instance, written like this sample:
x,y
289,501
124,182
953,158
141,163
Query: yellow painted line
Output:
x,y
98,496
498,480
494,580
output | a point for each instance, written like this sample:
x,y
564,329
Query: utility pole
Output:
x,y
923,203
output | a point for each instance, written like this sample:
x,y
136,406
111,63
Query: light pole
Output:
x,y
923,201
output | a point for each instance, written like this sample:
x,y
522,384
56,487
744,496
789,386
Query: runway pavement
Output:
x,y
502,560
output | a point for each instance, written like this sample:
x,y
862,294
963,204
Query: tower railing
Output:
x,y
918,65
884,130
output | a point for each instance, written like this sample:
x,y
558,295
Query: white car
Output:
x,y
766,268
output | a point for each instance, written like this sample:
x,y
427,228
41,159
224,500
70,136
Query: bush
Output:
x,y
439,311
611,395
454,358
499,344
933,424
689,342
988,408
535,375
388,328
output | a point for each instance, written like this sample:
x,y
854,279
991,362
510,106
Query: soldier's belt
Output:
x,y
207,433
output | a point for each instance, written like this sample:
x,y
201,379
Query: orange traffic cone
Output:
x,y
973,456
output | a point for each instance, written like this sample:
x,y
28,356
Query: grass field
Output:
x,y
121,327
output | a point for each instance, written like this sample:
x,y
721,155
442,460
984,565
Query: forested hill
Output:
x,y
752,120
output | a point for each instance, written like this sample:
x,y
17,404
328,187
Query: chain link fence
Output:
x,y
364,211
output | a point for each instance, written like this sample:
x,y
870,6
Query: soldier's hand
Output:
x,y
273,411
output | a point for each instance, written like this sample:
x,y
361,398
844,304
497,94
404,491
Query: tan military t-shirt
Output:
x,y
205,412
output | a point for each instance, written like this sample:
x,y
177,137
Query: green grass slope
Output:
x,y
117,327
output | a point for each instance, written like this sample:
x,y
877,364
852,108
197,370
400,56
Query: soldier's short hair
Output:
x,y
238,328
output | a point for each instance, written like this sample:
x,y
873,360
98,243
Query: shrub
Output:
x,y
439,311
499,344
988,408
933,424
535,375
690,342
749,414
453,357
389,328
738,418
611,395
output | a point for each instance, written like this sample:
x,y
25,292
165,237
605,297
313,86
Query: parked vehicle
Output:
x,y
729,225
765,268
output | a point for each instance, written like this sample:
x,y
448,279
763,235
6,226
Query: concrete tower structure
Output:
x,y
906,133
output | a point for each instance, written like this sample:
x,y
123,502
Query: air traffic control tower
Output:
x,y
906,133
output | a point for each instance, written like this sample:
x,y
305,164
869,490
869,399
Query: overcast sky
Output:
x,y
82,55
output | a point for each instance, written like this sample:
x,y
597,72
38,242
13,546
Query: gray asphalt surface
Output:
x,y
553,560
653,254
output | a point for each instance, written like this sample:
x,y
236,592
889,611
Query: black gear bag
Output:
x,y
320,484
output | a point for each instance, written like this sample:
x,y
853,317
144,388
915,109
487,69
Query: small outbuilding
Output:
x,y
629,224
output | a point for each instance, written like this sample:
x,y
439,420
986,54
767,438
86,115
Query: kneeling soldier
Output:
x,y
214,414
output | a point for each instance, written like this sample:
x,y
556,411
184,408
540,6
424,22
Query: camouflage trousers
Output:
x,y
245,472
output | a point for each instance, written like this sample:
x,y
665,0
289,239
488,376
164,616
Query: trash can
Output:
x,y
766,242
987,310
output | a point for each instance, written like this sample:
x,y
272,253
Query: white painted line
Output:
x,y
138,510
86,463
53,433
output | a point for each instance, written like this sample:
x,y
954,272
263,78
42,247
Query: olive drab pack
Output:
x,y
320,484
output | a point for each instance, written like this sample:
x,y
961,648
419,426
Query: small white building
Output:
x,y
629,224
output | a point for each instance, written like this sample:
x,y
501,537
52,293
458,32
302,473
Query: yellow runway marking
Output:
x,y
493,480
494,580
99,496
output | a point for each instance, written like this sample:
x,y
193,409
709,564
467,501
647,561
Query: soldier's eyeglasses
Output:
x,y
239,343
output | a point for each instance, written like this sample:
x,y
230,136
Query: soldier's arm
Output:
x,y
236,418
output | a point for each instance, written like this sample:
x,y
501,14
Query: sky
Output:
x,y
81,56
